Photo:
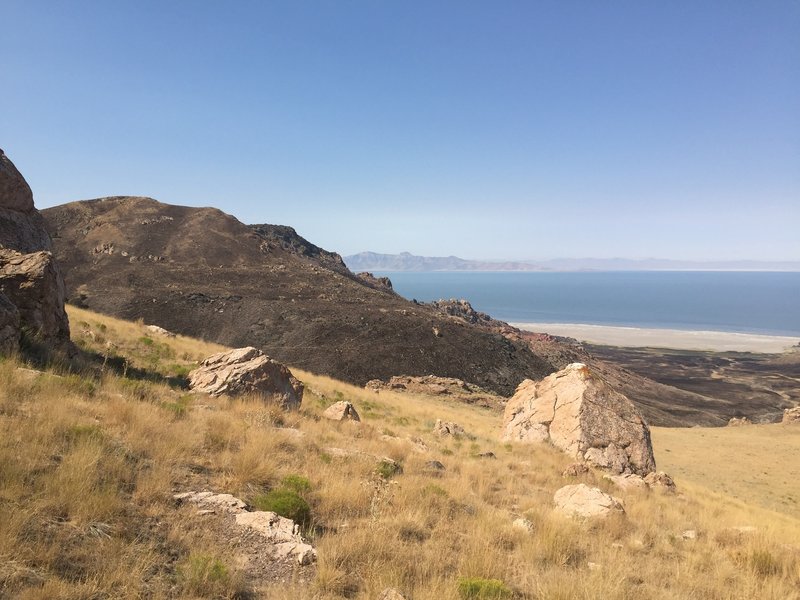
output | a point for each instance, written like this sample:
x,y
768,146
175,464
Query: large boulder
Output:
x,y
247,370
33,283
30,279
9,326
579,413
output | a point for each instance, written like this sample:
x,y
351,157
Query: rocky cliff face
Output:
x,y
201,272
32,289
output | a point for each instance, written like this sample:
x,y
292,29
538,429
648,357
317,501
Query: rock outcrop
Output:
x,y
33,283
9,326
281,536
30,279
433,385
791,415
341,411
739,421
586,502
244,371
582,415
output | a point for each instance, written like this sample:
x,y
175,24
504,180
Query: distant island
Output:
x,y
405,261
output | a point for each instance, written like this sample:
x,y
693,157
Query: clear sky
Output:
x,y
515,130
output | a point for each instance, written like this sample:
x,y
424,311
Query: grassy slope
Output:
x,y
89,466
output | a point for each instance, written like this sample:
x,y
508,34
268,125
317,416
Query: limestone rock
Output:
x,y
445,428
246,370
739,421
33,283
21,226
582,415
391,594
523,524
341,411
9,326
280,534
660,481
689,534
159,331
586,502
575,469
628,481
791,415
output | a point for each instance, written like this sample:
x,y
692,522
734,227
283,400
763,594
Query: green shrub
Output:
x,y
388,469
296,483
477,588
146,341
287,503
204,574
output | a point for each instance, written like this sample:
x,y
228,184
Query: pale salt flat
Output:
x,y
635,337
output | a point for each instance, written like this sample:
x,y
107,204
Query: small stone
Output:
x,y
445,428
575,469
523,524
689,534
434,465
341,411
593,566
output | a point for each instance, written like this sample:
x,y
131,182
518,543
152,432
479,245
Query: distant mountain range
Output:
x,y
405,261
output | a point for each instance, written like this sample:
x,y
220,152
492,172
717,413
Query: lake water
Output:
x,y
747,302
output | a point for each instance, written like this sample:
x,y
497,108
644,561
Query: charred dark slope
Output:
x,y
201,272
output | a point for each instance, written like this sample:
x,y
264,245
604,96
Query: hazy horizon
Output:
x,y
475,130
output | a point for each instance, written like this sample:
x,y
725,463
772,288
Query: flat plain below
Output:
x,y
757,464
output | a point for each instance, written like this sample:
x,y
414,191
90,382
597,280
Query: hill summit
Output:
x,y
202,272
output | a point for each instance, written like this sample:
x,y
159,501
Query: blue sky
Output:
x,y
515,130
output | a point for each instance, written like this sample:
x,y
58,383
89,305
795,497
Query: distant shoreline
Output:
x,y
678,339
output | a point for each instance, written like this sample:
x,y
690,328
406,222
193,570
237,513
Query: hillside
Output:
x,y
93,460
200,271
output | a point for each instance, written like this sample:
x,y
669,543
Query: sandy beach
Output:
x,y
635,337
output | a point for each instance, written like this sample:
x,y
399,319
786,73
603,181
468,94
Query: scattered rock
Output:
x,y
432,385
486,455
341,411
582,415
791,415
434,465
575,469
282,535
445,428
739,421
159,331
660,481
586,502
391,594
689,534
523,524
628,481
377,283
247,370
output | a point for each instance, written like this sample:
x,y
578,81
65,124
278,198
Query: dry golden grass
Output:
x,y
757,464
88,468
